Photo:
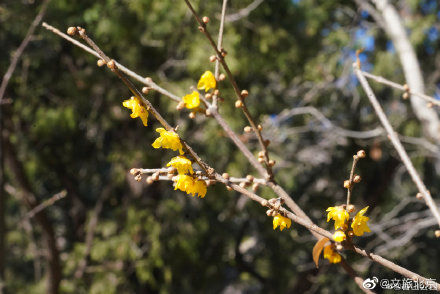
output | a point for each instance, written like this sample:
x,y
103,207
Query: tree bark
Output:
x,y
411,67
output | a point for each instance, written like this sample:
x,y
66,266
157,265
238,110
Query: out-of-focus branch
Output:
x,y
397,144
411,67
219,47
242,13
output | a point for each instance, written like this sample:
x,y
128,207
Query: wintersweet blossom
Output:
x,y
339,214
190,185
207,81
331,254
339,236
191,100
281,221
182,164
169,140
359,223
137,110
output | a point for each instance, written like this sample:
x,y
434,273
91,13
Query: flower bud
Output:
x,y
148,80
419,196
224,52
145,90
111,64
100,62
357,178
260,127
437,233
350,208
212,58
269,212
155,176
205,19
250,178
192,115
247,129
71,31
406,88
260,159
149,180
271,162
225,176
361,154
208,112
405,95
208,95
134,171
201,29
221,77
229,188
238,104
347,184
138,178
244,93
255,187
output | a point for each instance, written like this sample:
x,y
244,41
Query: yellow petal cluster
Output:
x,y
191,100
281,221
331,254
339,215
190,185
137,110
207,81
182,164
169,140
339,236
359,223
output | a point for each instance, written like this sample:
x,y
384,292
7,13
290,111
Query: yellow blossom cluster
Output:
x,y
343,222
168,140
281,221
137,109
206,82
190,185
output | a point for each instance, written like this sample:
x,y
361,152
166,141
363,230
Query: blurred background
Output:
x,y
65,131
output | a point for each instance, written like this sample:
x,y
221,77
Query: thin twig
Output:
x,y
44,204
237,91
384,81
397,144
219,47
350,180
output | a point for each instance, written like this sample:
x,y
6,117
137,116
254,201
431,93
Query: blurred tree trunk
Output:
x,y
393,26
52,253
2,206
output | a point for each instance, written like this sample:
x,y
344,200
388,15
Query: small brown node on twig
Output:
x,y
180,105
134,171
405,95
221,77
148,80
111,64
243,184
255,187
208,95
212,58
192,115
261,154
216,92
229,188
260,159
71,31
361,154
238,104
138,178
100,62
269,212
208,112
225,176
149,180
271,162
250,178
145,90
350,208
406,87
247,129
201,29
260,127
244,93
357,179
223,52
205,19
350,234
419,196
266,142
155,176
264,202
429,104
437,233
347,184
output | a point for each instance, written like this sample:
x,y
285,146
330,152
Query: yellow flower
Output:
x,y
339,214
137,110
207,81
168,140
331,254
359,223
339,236
281,221
182,164
191,100
190,185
